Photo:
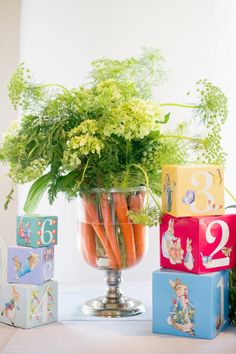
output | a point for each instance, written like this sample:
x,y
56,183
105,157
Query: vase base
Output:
x,y
128,307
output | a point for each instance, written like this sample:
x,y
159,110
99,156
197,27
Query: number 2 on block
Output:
x,y
219,262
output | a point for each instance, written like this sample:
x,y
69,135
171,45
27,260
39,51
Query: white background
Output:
x,y
58,40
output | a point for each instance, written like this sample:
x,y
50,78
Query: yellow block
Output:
x,y
192,190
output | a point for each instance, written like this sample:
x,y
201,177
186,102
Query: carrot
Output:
x,y
95,222
109,227
126,227
88,244
88,240
136,204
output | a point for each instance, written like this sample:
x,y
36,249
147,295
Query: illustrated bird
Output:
x,y
226,251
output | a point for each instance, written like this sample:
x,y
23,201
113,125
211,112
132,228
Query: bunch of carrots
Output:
x,y
107,231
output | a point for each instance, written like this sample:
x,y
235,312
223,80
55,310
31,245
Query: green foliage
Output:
x,y
148,216
145,71
106,134
36,192
162,150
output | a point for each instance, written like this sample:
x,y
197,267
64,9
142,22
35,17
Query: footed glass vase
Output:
x,y
109,241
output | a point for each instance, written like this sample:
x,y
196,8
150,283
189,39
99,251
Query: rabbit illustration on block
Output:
x,y
11,306
27,265
182,312
175,252
24,231
171,245
189,260
23,268
168,238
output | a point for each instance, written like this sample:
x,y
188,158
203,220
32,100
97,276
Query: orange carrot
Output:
x,y
95,222
109,227
88,244
136,204
126,227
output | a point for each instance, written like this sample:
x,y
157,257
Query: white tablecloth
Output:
x,y
78,334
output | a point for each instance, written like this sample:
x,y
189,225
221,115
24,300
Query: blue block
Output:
x,y
190,305
36,231
28,265
28,306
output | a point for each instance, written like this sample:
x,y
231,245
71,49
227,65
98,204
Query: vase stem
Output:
x,y
113,303
113,294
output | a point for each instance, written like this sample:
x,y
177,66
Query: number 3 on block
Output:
x,y
204,192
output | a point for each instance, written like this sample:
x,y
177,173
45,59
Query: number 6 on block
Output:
x,y
36,231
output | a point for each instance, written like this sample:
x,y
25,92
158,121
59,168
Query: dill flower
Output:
x,y
213,103
22,92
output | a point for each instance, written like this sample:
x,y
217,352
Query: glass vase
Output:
x,y
109,241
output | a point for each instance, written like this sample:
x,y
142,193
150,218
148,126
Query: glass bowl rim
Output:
x,y
116,190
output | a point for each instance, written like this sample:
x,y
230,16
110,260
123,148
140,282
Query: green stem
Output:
x,y
83,174
170,104
55,85
177,137
155,201
230,194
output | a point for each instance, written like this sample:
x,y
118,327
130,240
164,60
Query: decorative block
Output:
x,y
28,306
189,190
28,265
198,244
190,305
36,231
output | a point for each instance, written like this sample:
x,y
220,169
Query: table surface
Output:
x,y
77,333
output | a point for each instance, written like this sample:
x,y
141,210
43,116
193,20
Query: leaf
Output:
x,y
166,119
36,192
66,181
231,206
9,197
154,134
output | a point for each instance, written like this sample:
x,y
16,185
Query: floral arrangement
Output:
x,y
108,133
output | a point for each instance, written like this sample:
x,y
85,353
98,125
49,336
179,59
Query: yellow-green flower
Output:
x,y
20,174
133,120
86,144
82,142
88,126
